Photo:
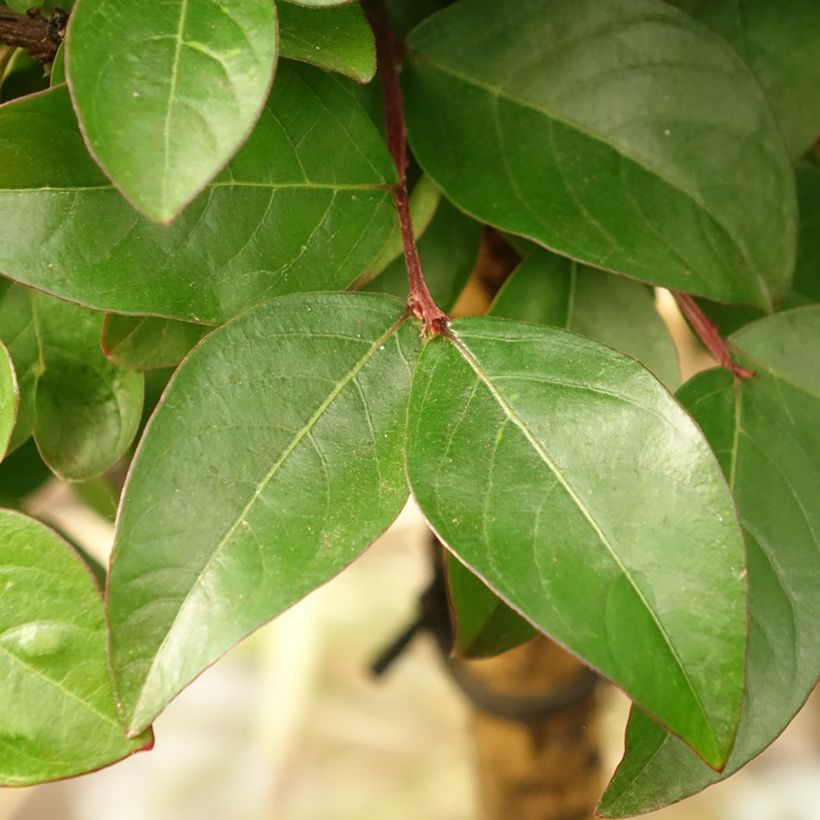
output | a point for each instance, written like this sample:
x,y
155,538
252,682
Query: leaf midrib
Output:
x,y
468,356
502,93
305,431
268,186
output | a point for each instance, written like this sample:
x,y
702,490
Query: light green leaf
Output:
x,y
315,4
553,290
780,42
8,399
448,250
304,206
765,432
57,713
338,39
83,410
167,94
564,475
483,624
274,459
624,135
57,76
146,343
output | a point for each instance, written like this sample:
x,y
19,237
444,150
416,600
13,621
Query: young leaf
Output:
x,y
483,624
448,251
780,42
8,399
275,458
57,713
83,410
564,475
624,135
146,343
167,93
553,290
303,206
765,432
338,39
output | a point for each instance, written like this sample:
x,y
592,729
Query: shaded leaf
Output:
x,y
274,459
564,475
145,342
483,624
278,219
807,272
553,290
166,96
57,713
338,39
626,136
22,473
82,410
780,42
448,250
765,432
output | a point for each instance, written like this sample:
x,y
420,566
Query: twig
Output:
x,y
388,49
39,36
709,335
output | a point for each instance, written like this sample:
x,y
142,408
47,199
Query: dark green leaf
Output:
x,y
624,135
553,290
22,473
405,15
765,432
8,399
274,459
338,39
82,410
278,219
565,475
780,42
145,342
448,251
57,714
166,94
807,273
484,625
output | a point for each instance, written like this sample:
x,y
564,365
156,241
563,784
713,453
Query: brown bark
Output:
x,y
38,36
548,768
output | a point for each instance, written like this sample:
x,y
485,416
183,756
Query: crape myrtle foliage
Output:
x,y
207,195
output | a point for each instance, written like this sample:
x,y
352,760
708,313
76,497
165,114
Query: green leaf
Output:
x,y
552,290
624,135
83,410
484,625
274,459
807,272
315,4
22,473
780,42
448,250
8,399
57,76
57,713
279,219
565,476
766,435
167,94
338,39
405,15
145,342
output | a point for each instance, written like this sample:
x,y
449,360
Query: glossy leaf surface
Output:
x,y
83,410
483,625
567,478
8,399
552,290
780,42
765,432
274,459
57,714
303,206
166,96
626,136
145,342
338,39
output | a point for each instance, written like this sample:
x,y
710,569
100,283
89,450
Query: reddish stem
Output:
x,y
388,49
709,335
